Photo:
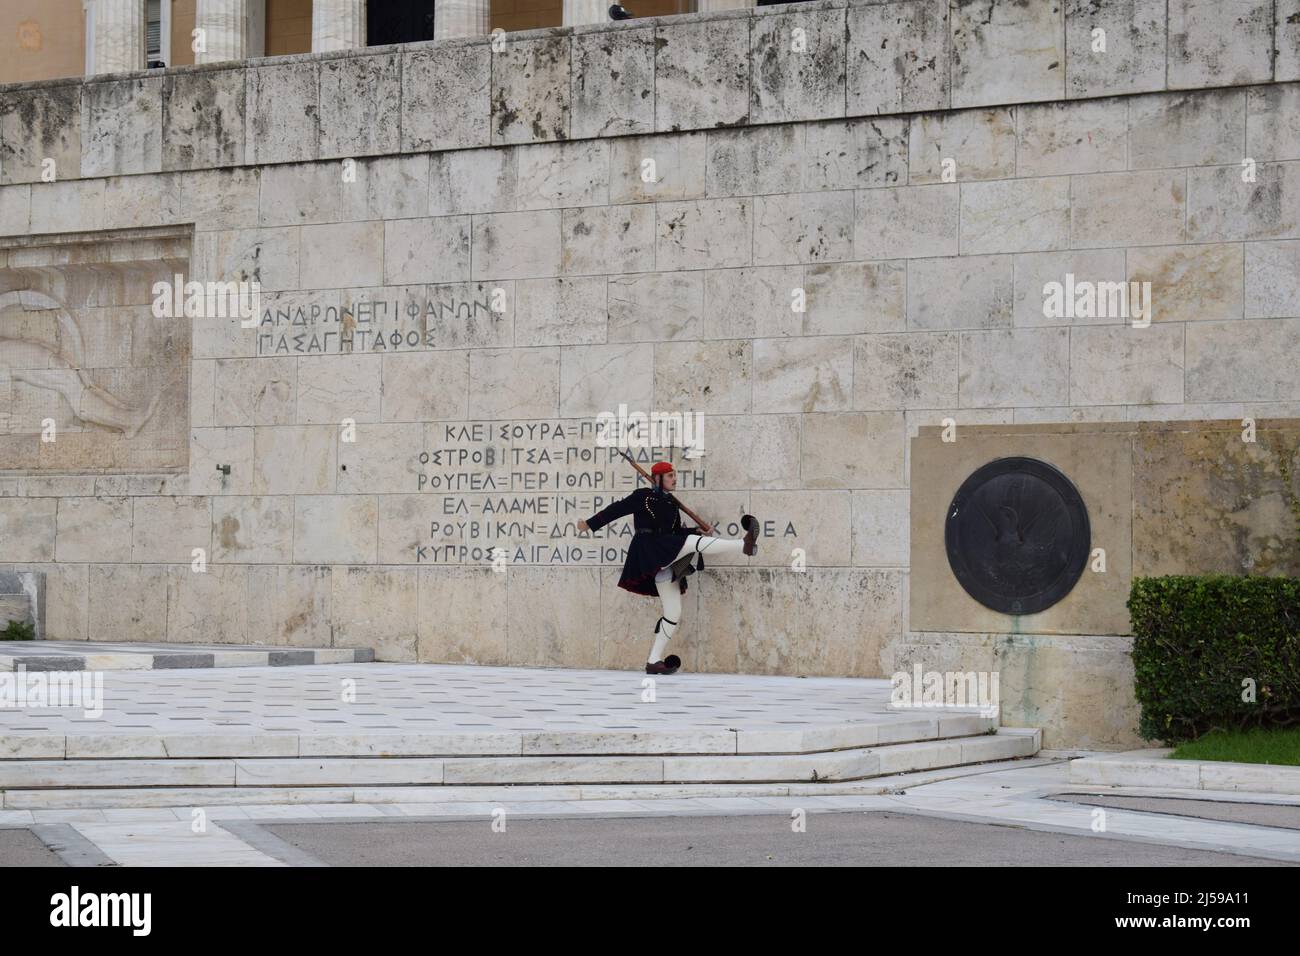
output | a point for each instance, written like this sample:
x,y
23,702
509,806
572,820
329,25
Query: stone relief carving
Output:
x,y
64,372
94,376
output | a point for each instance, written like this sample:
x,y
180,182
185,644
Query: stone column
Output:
x,y
225,26
716,6
337,25
119,36
579,12
460,18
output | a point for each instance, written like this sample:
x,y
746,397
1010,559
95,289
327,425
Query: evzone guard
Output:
x,y
663,552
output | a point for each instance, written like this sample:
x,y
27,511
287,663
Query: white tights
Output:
x,y
670,591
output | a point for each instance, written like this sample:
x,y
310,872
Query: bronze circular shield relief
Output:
x,y
1017,535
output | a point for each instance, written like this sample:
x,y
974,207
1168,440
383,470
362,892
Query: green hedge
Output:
x,y
1196,639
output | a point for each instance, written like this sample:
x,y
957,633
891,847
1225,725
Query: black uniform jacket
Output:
x,y
659,536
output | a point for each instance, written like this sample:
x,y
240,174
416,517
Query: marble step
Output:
x,y
1153,768
104,656
261,773
759,740
223,796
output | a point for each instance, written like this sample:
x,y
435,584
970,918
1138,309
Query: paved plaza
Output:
x,y
453,699
66,803
1012,801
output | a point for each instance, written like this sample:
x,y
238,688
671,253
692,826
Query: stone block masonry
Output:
x,y
466,253
740,68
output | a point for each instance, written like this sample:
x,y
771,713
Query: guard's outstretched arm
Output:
x,y
617,509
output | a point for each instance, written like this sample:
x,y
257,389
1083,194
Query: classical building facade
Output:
x,y
831,230
47,39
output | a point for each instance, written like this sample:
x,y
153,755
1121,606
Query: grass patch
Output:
x,y
1271,745
18,631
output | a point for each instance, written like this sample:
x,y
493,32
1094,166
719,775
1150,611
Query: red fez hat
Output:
x,y
661,468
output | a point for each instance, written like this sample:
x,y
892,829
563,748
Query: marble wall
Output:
x,y
1162,497
466,254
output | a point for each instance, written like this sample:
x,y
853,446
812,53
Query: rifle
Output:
x,y
700,522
